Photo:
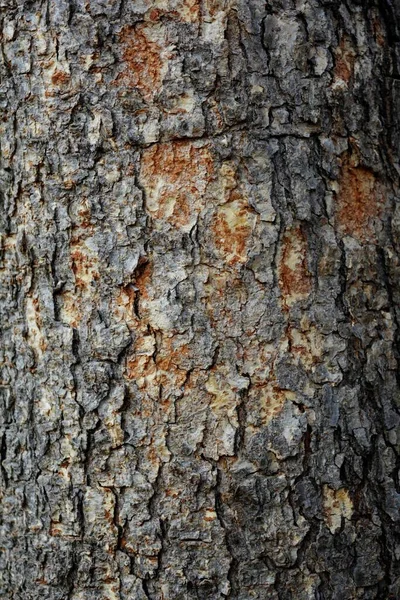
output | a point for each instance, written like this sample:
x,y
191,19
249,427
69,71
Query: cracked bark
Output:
x,y
199,299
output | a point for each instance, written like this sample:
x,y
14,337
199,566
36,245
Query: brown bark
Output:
x,y
199,300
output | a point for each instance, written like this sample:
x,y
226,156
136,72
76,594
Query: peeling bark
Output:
x,y
199,299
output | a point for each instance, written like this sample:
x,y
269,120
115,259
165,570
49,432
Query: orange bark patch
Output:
x,y
345,60
232,229
59,77
266,401
85,267
165,371
378,31
294,276
55,529
189,10
175,176
157,364
170,363
84,260
145,58
272,401
359,201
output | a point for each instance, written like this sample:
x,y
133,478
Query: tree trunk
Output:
x,y
200,294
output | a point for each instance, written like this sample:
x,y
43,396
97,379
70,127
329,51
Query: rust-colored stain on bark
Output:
x,y
273,400
232,229
294,276
266,401
175,176
84,263
378,31
157,363
359,201
190,11
55,529
144,57
345,60
84,268
171,365
59,77
84,260
164,371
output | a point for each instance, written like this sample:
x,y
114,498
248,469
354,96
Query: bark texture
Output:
x,y
200,299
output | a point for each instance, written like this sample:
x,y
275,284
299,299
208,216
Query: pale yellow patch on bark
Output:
x,y
337,506
35,336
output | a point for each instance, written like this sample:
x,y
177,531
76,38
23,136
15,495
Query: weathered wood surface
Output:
x,y
199,299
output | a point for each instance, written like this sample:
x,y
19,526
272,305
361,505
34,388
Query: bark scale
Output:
x,y
199,299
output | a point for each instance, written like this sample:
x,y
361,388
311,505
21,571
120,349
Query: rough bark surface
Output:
x,y
200,299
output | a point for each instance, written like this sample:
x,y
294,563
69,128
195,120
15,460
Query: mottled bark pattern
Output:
x,y
199,299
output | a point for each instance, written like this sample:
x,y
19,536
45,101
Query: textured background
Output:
x,y
199,300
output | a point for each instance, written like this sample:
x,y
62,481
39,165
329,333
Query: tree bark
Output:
x,y
200,299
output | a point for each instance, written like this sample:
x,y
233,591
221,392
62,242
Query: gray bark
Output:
x,y
199,299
